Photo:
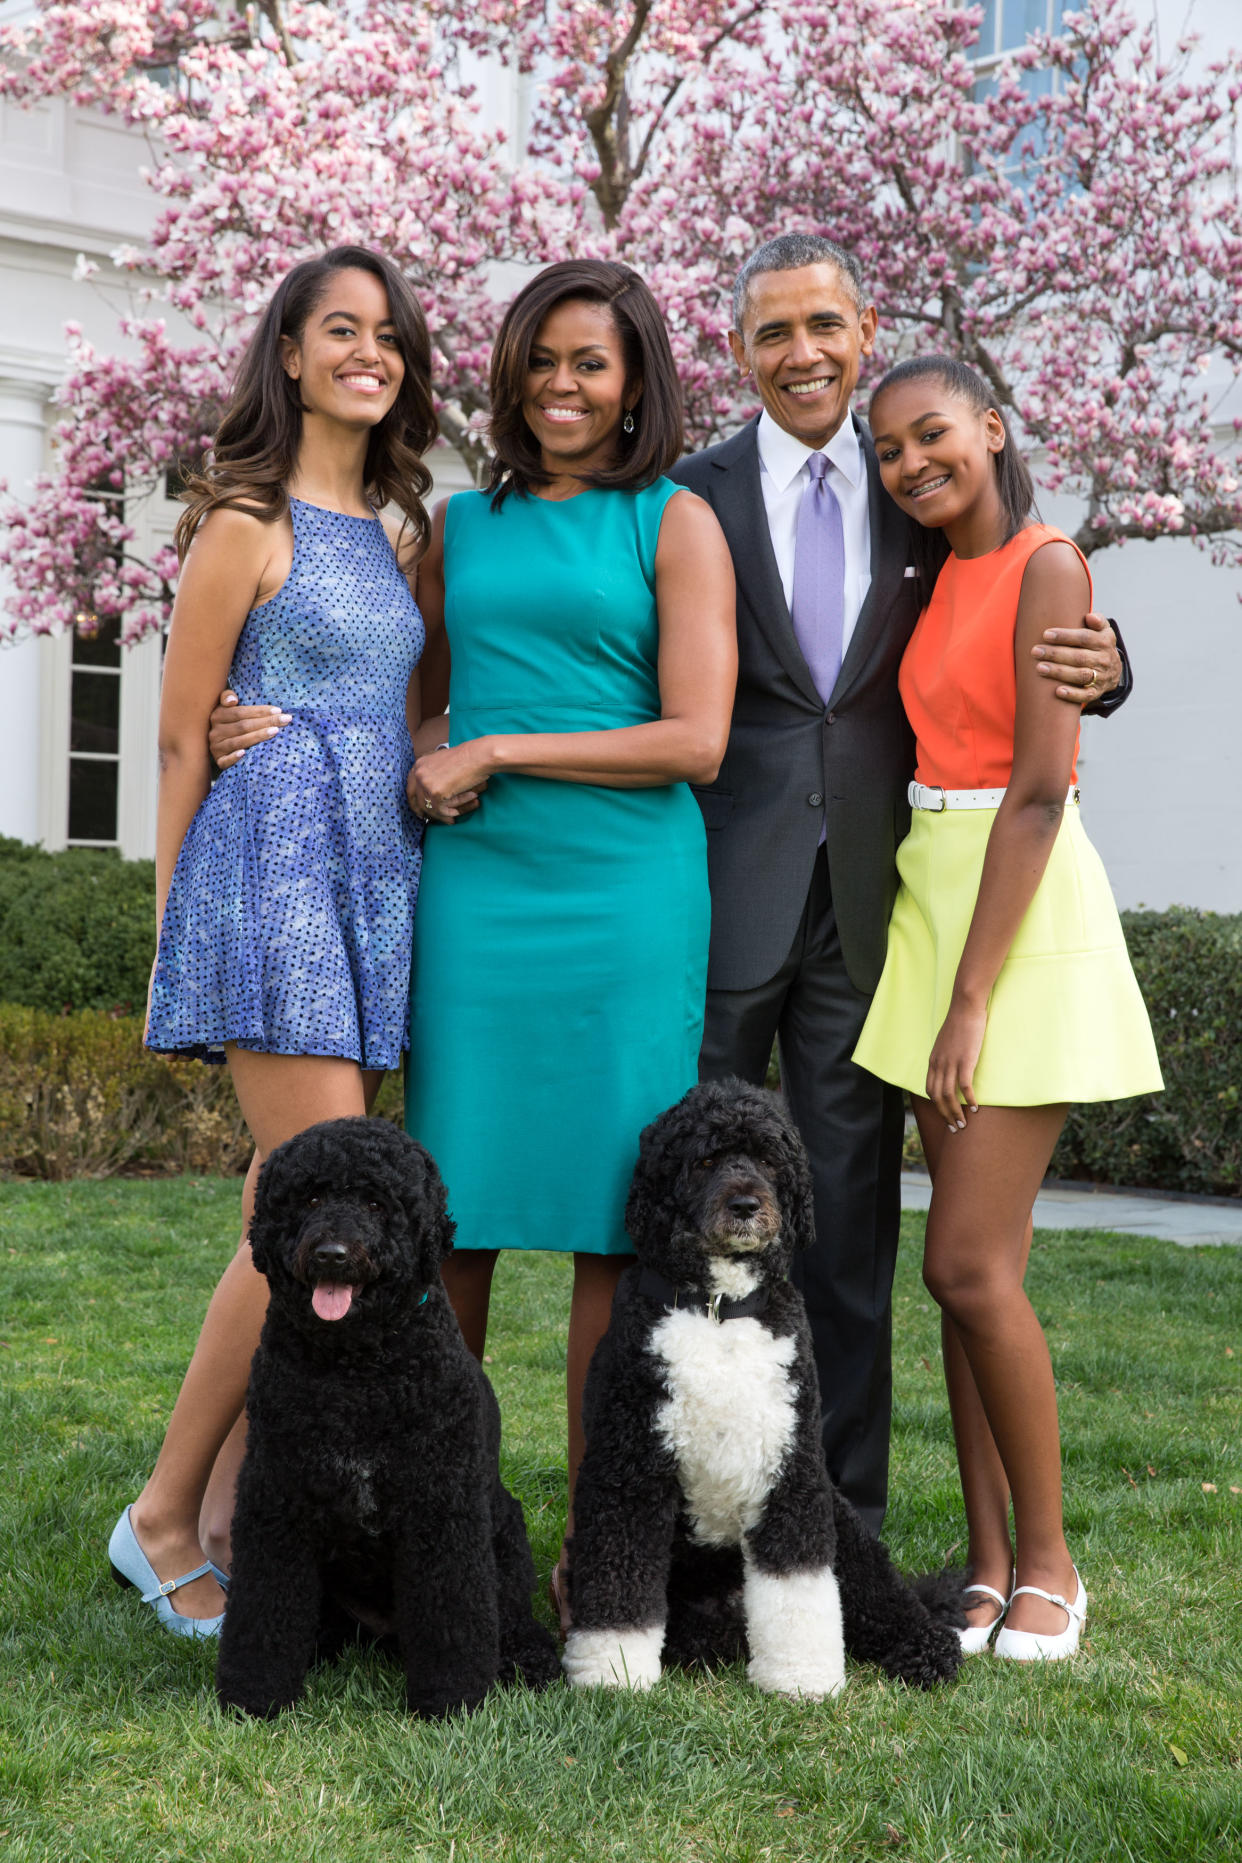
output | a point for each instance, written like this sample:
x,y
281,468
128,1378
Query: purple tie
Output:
x,y
818,605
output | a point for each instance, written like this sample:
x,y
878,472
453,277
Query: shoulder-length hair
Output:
x,y
930,548
658,437
253,455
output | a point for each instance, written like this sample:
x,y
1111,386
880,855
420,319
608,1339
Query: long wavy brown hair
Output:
x,y
256,446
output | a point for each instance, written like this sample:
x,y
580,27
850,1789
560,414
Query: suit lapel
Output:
x,y
743,516
889,555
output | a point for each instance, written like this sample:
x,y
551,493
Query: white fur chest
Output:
x,y
728,1419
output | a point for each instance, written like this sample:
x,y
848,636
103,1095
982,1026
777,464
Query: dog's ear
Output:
x,y
269,1201
646,1206
638,1203
650,1211
426,1208
795,1189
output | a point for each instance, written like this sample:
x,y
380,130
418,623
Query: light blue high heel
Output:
x,y
130,1566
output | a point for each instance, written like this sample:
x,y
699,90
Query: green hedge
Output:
x,y
1189,965
77,930
1188,1138
78,1094
81,1097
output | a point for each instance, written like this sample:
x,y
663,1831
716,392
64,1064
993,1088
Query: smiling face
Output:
x,y
348,361
936,453
803,338
576,392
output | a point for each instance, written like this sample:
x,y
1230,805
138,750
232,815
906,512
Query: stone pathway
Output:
x,y
1190,1221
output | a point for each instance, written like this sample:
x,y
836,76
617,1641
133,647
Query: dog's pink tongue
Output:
x,y
331,1301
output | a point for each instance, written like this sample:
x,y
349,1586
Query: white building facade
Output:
x,y
78,716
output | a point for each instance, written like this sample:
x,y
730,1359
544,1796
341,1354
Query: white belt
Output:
x,y
930,796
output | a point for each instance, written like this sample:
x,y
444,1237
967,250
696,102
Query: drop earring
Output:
x,y
627,425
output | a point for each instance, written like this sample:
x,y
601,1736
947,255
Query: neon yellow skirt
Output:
x,y
1066,1020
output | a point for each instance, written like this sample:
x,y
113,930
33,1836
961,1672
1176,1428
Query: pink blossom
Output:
x,y
1082,248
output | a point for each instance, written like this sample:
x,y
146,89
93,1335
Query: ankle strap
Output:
x,y
988,1592
175,1584
1051,1597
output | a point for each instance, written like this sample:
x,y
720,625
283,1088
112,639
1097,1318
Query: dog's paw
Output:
x,y
613,1658
434,1704
802,1675
536,1662
793,1627
932,1656
253,1707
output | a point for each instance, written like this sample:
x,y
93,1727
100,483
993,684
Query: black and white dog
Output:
x,y
704,1519
370,1492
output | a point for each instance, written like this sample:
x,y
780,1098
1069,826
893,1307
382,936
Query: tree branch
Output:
x,y
466,441
1213,521
607,122
665,104
271,11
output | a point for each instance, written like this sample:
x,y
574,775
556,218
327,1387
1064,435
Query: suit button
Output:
x,y
815,799
832,717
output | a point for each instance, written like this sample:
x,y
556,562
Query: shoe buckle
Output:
x,y
170,1584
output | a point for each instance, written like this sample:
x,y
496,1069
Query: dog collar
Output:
x,y
718,1307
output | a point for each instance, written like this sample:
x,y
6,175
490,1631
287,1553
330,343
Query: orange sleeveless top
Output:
x,y
958,680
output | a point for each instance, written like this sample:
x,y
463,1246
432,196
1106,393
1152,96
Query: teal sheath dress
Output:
x,y
560,956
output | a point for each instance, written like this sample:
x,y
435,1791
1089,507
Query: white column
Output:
x,y
22,406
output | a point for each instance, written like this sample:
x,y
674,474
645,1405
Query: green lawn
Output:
x,y
111,1745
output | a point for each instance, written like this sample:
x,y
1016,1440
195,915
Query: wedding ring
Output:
x,y
1094,676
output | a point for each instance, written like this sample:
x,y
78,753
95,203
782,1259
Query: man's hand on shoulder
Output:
x,y
1084,660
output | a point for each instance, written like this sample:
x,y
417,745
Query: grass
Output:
x,y
111,1745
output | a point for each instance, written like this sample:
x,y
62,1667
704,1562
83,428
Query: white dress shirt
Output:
x,y
784,475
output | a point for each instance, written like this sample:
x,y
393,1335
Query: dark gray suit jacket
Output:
x,y
790,758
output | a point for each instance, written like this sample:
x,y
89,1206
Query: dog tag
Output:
x,y
713,1307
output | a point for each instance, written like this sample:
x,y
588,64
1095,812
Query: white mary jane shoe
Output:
x,y
1033,1645
975,1637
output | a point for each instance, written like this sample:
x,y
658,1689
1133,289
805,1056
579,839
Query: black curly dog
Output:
x,y
705,1523
371,1486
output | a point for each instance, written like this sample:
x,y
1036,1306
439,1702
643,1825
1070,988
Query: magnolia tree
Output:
x,y
1069,222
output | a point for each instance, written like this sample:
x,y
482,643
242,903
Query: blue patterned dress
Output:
x,y
289,923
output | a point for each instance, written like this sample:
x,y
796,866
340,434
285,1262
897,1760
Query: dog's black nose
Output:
x,y
742,1205
329,1254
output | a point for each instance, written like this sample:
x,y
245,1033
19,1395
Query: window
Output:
x,y
95,726
1007,25
94,736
